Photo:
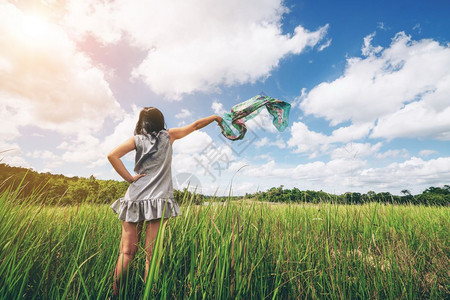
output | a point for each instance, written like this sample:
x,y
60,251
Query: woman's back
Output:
x,y
153,158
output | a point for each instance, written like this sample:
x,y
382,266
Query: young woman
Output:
x,y
151,188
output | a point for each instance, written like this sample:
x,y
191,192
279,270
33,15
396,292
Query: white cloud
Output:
x,y
378,88
11,154
266,170
318,174
415,174
211,162
43,154
195,142
350,133
46,82
196,45
427,152
217,107
50,159
394,153
263,157
237,165
324,45
190,152
355,150
263,121
15,161
91,150
96,18
418,119
367,49
343,174
279,142
183,114
13,113
83,149
313,143
299,99
339,171
307,141
262,142
241,188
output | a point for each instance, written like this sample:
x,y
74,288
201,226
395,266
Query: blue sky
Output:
x,y
369,84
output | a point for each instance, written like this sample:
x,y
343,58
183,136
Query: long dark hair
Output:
x,y
151,121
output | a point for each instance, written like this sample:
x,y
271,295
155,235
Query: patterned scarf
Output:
x,y
242,112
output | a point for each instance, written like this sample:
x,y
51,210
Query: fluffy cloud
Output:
x,y
352,132
263,121
427,152
46,82
50,159
189,153
367,49
279,142
355,150
11,154
420,119
378,89
195,45
183,114
13,113
195,142
313,143
393,153
314,175
342,143
324,45
217,107
91,150
416,174
343,174
304,140
212,162
241,188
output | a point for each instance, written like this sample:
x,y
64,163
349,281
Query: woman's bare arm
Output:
x,y
178,133
116,162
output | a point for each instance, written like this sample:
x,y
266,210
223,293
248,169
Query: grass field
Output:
x,y
235,250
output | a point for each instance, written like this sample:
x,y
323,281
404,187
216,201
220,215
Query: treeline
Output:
x,y
47,188
51,189
431,196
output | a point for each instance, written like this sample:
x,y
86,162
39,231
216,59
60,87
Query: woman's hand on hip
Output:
x,y
136,177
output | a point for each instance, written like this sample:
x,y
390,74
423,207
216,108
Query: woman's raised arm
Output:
x,y
181,132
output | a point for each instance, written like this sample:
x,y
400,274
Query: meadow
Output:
x,y
230,250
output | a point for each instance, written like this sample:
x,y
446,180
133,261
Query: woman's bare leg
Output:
x,y
128,247
150,237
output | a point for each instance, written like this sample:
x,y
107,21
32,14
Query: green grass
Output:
x,y
239,250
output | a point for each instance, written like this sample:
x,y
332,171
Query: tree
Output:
x,y
406,192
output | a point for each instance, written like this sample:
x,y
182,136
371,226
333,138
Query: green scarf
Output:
x,y
242,112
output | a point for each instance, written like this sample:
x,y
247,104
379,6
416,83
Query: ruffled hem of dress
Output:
x,y
145,209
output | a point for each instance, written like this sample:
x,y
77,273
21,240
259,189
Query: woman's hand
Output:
x,y
136,177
